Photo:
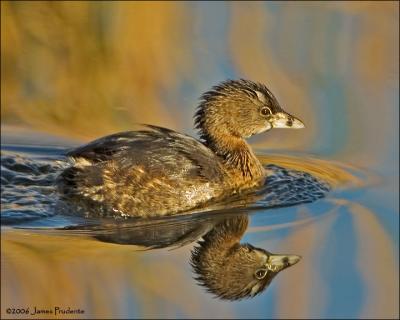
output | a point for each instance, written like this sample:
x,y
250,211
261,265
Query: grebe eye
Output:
x,y
260,273
266,111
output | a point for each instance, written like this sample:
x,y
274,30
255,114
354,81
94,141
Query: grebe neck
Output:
x,y
237,155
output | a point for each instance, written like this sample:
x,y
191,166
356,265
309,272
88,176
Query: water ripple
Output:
x,y
28,194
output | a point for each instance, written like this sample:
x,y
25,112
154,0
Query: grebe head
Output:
x,y
241,272
240,108
231,270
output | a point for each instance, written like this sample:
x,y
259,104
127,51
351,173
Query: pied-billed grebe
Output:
x,y
232,270
157,171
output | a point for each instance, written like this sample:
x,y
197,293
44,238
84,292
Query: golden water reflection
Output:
x,y
55,268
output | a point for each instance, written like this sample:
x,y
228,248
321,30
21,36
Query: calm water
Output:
x,y
51,258
87,69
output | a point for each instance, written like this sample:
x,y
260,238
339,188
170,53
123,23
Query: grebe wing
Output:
x,y
154,148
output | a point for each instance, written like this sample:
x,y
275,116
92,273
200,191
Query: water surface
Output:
x,y
141,268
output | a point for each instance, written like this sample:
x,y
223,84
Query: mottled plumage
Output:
x,y
146,173
157,171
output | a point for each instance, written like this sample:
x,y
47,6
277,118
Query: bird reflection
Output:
x,y
231,270
228,269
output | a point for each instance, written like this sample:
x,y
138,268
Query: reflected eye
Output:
x,y
265,111
260,273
